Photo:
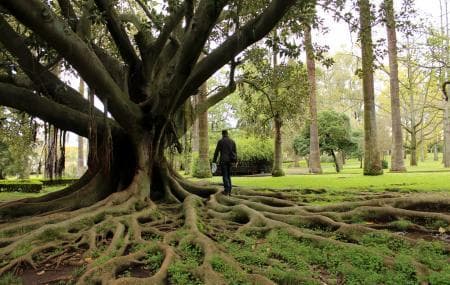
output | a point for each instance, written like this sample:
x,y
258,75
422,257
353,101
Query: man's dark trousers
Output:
x,y
225,167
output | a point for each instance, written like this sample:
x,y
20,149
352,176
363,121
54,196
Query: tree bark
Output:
x,y
80,161
277,169
314,150
203,167
336,161
435,152
413,149
397,163
446,150
372,162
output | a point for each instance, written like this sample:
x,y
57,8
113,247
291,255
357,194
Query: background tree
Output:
x,y
18,136
397,163
372,162
314,151
273,93
335,136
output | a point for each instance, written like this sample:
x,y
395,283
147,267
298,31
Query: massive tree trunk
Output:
x,y
314,151
372,162
397,163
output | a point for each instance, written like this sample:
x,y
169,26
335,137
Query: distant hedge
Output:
x,y
26,186
62,181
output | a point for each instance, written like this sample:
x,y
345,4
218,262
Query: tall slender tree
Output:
x,y
397,163
372,161
314,150
444,74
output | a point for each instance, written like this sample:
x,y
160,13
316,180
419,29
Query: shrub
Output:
x,y
385,164
60,181
250,149
26,186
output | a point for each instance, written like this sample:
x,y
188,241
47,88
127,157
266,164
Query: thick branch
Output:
x,y
194,41
39,17
49,111
69,13
118,32
250,33
45,81
215,98
153,52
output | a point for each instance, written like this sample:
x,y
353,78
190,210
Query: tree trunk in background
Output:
x,y
187,151
444,75
422,144
195,127
446,136
277,169
372,162
80,162
435,152
51,153
61,161
413,149
412,106
203,168
336,161
314,151
397,162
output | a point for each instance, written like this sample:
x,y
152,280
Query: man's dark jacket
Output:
x,y
227,149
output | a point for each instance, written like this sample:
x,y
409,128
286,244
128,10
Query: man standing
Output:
x,y
228,156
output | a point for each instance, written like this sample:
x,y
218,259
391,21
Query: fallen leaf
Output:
x,y
88,259
40,272
441,230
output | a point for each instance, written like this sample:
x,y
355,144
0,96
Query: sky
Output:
x,y
339,37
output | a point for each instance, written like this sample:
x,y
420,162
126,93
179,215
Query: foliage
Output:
x,y
249,148
180,272
17,139
10,279
268,90
334,135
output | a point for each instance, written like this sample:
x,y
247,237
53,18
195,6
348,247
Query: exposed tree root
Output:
x,y
188,236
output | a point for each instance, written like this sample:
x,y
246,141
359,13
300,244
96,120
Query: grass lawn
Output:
x,y
9,196
430,176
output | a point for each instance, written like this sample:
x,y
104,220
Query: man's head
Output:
x,y
225,133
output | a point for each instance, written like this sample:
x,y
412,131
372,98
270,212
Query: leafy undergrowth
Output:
x,y
289,260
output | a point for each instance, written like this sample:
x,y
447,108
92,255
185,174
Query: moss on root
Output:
x,y
252,237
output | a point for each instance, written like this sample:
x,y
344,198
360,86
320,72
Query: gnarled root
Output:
x,y
196,235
